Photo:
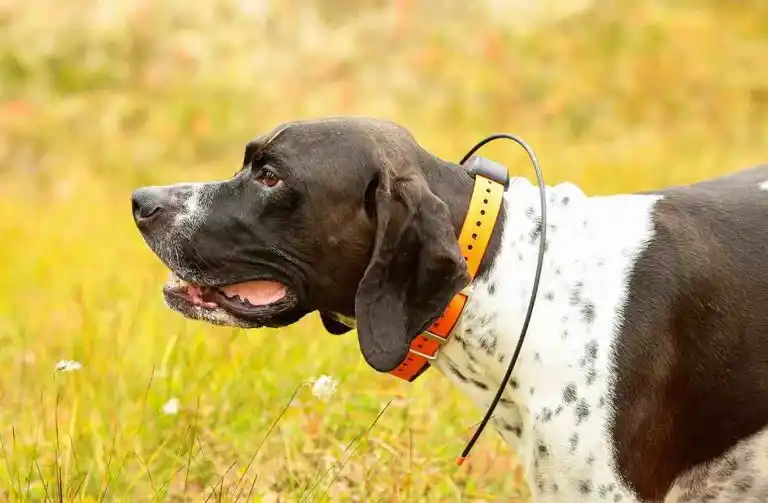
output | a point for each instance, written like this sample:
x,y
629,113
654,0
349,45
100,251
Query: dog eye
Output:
x,y
267,178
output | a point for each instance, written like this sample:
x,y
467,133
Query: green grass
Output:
x,y
98,98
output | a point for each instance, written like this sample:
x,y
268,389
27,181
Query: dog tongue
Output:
x,y
258,293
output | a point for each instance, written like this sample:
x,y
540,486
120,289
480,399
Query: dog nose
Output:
x,y
148,203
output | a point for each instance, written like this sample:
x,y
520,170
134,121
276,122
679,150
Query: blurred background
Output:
x,y
99,97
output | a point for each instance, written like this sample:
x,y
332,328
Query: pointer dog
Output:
x,y
644,375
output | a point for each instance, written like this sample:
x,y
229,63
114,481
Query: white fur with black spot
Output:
x,y
739,475
555,410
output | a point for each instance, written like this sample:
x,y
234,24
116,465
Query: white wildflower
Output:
x,y
171,407
68,366
324,386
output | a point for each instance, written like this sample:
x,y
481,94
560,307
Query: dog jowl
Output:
x,y
340,216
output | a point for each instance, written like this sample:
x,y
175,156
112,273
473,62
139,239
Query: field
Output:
x,y
97,98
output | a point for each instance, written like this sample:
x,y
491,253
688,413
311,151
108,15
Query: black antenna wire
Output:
x,y
536,279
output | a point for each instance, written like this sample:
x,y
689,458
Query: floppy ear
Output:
x,y
415,269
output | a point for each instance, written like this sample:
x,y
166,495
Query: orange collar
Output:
x,y
484,208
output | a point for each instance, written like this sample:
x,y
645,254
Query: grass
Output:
x,y
97,98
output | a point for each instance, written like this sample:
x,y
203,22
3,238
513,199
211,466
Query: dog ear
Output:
x,y
415,269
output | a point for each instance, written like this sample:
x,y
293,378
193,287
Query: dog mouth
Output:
x,y
254,303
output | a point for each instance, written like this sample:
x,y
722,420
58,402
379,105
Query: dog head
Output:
x,y
348,217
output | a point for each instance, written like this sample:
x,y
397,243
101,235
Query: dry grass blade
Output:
x,y
191,446
8,465
149,474
264,439
170,478
30,473
357,444
15,449
78,473
42,480
107,471
311,487
220,482
141,421
59,482
253,486
78,487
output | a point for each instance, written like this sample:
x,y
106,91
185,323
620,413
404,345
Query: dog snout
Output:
x,y
149,203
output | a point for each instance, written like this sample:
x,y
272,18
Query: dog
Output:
x,y
644,375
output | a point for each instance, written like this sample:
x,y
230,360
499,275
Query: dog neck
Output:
x,y
562,373
454,185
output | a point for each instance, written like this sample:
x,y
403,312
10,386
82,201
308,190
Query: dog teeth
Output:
x,y
236,298
178,283
175,281
245,301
